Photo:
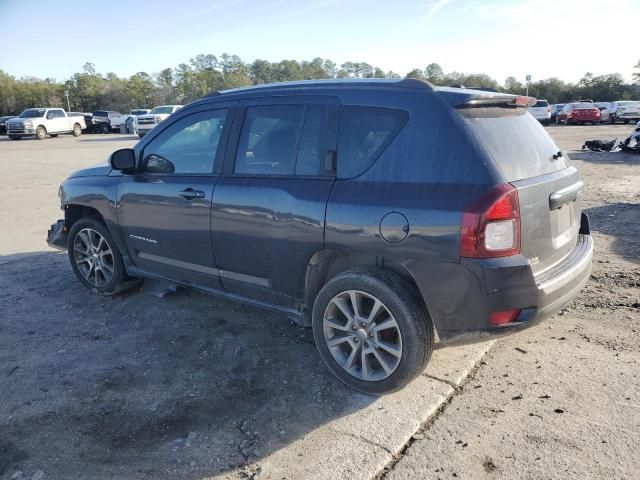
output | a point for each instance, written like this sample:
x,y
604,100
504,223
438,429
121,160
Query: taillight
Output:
x,y
548,109
503,317
490,226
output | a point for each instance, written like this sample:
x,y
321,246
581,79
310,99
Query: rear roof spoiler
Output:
x,y
469,98
498,101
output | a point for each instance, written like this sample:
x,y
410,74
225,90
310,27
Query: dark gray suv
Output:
x,y
389,215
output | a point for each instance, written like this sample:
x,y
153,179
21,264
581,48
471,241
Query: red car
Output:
x,y
574,113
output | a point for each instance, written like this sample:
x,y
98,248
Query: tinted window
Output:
x,y
519,144
364,132
32,113
100,113
541,103
268,140
188,146
318,139
162,110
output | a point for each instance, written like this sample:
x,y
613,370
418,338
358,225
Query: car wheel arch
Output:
x,y
326,264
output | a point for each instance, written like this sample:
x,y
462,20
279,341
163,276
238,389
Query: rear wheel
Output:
x,y
77,130
94,257
104,128
41,133
372,331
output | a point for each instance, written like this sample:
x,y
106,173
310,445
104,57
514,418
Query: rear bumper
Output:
x,y
461,307
57,235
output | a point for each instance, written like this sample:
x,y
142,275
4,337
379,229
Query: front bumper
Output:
x,y
461,299
57,235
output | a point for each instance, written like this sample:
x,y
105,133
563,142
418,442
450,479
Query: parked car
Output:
x,y
541,111
624,111
605,111
107,121
359,209
131,119
555,109
578,113
40,122
146,122
3,124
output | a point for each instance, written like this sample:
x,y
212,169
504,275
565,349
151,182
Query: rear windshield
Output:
x,y
100,113
518,143
583,106
33,113
541,103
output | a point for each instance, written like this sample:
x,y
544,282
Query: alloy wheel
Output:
x,y
362,335
93,257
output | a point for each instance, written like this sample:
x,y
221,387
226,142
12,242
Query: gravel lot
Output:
x,y
190,386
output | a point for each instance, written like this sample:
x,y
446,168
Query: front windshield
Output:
x,y
32,113
161,110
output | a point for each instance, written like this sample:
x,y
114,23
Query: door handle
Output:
x,y
190,194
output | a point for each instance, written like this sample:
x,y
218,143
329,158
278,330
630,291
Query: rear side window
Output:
x,y
518,143
364,133
541,103
317,140
268,140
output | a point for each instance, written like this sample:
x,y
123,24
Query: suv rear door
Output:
x,y
268,212
548,187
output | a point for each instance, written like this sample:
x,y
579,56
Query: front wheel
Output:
x,y
41,133
372,331
94,257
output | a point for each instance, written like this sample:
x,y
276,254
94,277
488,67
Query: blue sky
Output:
x,y
499,37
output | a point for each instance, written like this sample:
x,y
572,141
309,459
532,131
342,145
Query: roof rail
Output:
x,y
405,83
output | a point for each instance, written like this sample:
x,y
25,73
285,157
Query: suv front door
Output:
x,y
164,209
269,205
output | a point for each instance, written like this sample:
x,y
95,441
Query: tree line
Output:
x,y
90,90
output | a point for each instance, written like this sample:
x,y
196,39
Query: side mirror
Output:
x,y
123,159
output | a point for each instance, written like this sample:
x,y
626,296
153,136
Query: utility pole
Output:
x,y
66,94
528,79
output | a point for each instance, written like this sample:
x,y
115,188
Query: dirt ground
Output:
x,y
190,386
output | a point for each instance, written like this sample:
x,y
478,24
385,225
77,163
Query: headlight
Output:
x,y
28,124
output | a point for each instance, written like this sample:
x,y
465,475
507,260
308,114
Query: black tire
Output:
x,y
612,119
140,135
53,135
626,122
14,137
104,128
77,130
402,302
41,133
119,277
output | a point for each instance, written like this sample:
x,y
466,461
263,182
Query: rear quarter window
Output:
x,y
363,134
520,146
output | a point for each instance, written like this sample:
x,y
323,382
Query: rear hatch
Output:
x,y
548,186
540,109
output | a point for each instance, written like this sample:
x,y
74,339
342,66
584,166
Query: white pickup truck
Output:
x,y
146,122
40,122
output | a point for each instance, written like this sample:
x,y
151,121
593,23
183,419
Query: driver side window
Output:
x,y
188,146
